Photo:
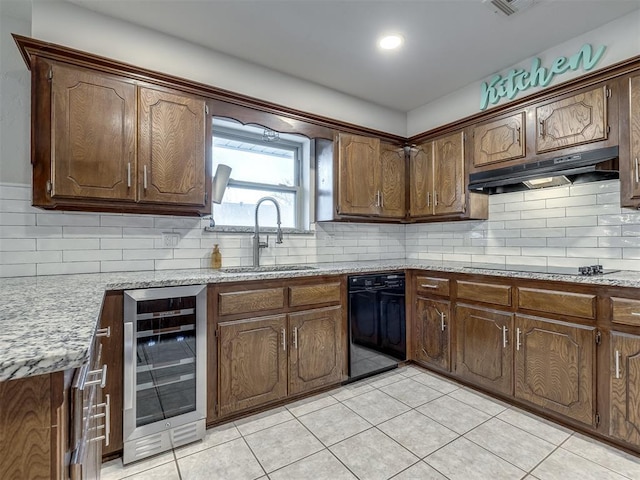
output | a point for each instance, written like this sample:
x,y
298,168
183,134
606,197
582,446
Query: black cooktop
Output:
x,y
587,270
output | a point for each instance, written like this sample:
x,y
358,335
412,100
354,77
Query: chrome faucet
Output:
x,y
257,244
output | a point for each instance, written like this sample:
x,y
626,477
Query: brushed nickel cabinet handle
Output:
x,y
144,177
428,199
636,314
102,381
426,285
103,332
128,362
518,344
637,171
617,363
284,340
504,336
107,418
129,175
442,324
295,337
381,200
435,198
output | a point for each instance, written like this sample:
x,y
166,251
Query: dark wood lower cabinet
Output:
x,y
624,422
484,350
252,362
432,330
315,358
555,366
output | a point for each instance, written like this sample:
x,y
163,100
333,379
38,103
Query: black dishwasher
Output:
x,y
377,332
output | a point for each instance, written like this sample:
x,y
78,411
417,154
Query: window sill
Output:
x,y
237,229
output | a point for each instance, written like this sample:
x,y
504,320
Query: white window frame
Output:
x,y
299,189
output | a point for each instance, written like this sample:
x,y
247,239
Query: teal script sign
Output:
x,y
520,80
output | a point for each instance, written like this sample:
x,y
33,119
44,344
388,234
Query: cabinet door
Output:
x,y
421,180
555,366
625,388
94,121
316,352
253,362
499,140
448,168
358,175
392,200
574,120
484,351
171,148
630,177
432,332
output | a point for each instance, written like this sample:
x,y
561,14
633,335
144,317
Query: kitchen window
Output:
x,y
263,163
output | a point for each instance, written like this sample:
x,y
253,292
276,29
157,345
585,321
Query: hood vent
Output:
x,y
508,7
590,166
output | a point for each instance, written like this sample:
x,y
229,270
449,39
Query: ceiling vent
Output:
x,y
508,7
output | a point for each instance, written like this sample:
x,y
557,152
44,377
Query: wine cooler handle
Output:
x,y
128,362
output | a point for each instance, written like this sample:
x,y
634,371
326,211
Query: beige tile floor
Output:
x,y
404,424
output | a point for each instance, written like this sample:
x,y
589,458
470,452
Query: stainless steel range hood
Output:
x,y
589,166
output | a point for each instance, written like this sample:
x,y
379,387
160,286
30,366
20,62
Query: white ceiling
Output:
x,y
449,43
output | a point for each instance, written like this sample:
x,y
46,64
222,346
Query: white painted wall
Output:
x,y
83,29
15,101
621,36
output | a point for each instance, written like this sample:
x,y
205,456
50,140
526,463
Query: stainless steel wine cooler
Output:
x,y
164,369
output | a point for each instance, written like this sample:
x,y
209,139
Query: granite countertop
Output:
x,y
47,323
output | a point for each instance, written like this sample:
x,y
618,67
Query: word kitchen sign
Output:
x,y
519,80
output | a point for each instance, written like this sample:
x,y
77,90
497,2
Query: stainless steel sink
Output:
x,y
267,268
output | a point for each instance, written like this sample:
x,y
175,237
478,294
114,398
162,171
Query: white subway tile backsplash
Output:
x,y
22,270
126,221
565,226
562,202
68,219
126,265
125,243
594,252
17,218
68,243
17,244
91,255
67,268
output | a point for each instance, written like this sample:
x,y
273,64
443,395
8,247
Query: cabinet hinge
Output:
x,y
608,92
597,419
598,337
608,129
206,109
50,74
206,197
49,187
216,333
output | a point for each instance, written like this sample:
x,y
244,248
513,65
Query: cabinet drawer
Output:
x,y
432,286
485,292
314,294
562,303
625,311
230,303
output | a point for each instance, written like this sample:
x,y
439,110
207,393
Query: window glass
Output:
x,y
260,168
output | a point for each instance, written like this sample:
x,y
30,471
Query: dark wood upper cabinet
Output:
x,y
103,142
448,175
359,173
392,190
421,180
499,140
93,129
171,148
573,120
630,141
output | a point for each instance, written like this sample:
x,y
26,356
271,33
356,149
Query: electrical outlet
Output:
x,y
170,239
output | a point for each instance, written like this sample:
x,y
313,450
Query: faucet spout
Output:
x,y
257,244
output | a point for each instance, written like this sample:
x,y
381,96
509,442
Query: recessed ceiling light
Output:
x,y
390,42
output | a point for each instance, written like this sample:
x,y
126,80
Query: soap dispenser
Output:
x,y
216,257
